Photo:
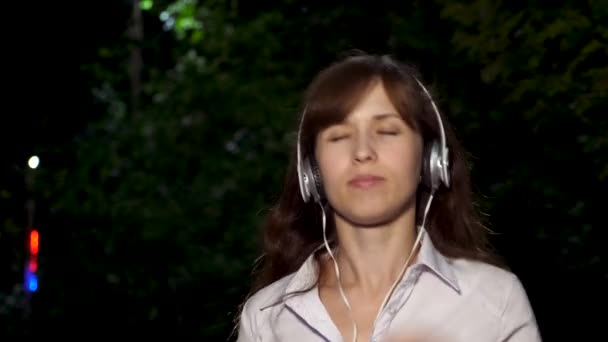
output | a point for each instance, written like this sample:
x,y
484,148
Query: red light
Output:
x,y
34,242
32,266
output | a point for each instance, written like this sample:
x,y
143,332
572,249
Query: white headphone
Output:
x,y
435,168
435,172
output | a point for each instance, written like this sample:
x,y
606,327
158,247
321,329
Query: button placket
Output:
x,y
389,313
397,300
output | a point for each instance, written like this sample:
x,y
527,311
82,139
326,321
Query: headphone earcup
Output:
x,y
318,181
431,166
311,181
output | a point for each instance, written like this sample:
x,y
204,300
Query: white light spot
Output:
x,y
33,162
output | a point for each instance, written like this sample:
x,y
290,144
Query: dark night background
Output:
x,y
155,173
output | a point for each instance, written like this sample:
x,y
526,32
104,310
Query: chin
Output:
x,y
367,217
373,213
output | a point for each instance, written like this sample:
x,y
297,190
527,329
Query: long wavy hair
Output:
x,y
292,231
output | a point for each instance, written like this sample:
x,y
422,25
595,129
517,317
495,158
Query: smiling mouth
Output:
x,y
365,182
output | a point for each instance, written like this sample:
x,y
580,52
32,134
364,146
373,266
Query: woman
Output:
x,y
375,237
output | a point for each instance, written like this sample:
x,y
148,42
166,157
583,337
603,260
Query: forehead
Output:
x,y
375,104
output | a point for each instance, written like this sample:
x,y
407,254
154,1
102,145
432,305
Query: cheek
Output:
x,y
405,163
330,166
333,166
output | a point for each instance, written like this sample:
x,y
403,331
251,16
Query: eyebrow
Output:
x,y
383,116
375,117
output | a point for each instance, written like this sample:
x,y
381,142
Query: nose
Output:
x,y
364,149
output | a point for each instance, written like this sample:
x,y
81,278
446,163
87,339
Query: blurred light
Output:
x,y
146,4
34,242
31,279
168,24
33,162
32,266
32,282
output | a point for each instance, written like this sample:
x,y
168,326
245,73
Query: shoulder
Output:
x,y
268,295
499,290
493,281
258,308
252,311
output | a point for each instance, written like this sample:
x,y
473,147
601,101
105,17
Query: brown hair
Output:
x,y
293,228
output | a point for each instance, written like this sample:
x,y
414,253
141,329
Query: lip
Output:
x,y
365,181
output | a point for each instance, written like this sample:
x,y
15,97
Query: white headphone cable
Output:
x,y
407,261
337,269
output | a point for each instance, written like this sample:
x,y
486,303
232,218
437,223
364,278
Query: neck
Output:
x,y
371,258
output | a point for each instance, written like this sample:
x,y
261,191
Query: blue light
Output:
x,y
32,282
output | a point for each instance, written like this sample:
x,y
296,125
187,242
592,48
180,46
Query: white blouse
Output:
x,y
438,299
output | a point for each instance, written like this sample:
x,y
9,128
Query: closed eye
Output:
x,y
387,132
337,138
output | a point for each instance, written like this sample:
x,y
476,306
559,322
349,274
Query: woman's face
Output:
x,y
370,163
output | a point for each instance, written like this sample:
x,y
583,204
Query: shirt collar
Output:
x,y
429,256
306,276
